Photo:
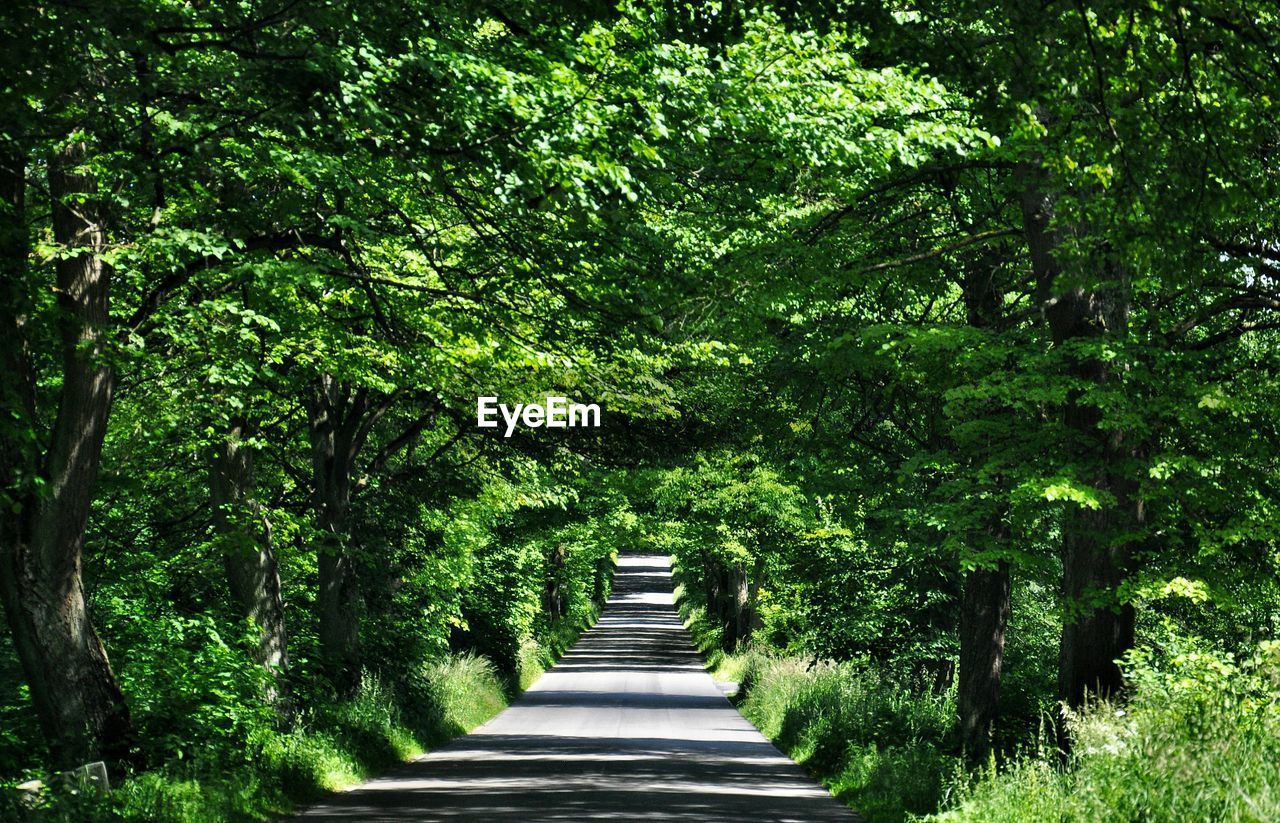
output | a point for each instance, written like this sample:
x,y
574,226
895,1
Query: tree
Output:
x,y
49,487
248,553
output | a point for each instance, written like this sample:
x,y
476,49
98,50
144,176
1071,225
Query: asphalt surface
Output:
x,y
628,726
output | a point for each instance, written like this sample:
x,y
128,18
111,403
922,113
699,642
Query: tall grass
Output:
x,y
540,653
456,695
876,743
326,749
1199,739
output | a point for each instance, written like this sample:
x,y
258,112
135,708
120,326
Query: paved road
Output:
x,y
628,726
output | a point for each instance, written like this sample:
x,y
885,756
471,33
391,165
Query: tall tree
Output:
x,y
50,473
1096,541
986,601
253,574
341,418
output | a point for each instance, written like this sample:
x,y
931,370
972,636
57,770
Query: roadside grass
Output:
x,y
326,749
706,635
267,770
1198,739
459,694
877,744
536,656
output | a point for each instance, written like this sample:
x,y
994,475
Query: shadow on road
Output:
x,y
628,726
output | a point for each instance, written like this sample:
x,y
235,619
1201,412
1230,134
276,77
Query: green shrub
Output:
x,y
877,743
307,763
504,610
1199,739
326,749
452,696
197,797
192,689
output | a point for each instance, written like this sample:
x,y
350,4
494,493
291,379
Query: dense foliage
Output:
x,y
936,340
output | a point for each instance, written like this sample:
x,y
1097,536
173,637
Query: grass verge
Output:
x,y
1198,739
327,748
877,744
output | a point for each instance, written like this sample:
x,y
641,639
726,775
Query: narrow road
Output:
x,y
628,726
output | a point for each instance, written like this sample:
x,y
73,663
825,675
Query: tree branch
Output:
x,y
922,256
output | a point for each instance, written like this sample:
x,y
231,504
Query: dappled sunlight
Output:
x,y
627,725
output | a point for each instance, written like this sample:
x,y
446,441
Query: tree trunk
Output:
x,y
552,595
253,575
984,610
753,621
1096,558
983,619
601,580
77,699
711,580
338,429
1098,629
740,605
732,609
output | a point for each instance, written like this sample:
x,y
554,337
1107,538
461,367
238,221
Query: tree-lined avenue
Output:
x,y
628,725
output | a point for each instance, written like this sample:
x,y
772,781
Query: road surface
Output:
x,y
628,726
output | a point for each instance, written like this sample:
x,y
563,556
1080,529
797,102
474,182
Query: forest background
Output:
x,y
936,340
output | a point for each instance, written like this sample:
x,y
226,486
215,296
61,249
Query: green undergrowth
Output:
x,y
327,748
1199,739
877,744
217,750
536,657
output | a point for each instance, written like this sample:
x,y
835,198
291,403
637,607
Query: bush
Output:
x,y
197,796
452,696
505,610
191,691
327,749
1199,739
216,747
877,743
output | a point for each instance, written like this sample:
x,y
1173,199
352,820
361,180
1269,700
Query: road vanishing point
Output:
x,y
627,726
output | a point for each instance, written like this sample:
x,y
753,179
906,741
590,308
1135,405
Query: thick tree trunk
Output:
x,y
339,602
80,706
1096,557
338,429
253,575
983,619
984,610
1098,630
